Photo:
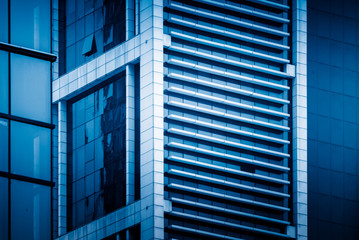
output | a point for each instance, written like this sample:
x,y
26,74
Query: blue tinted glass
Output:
x,y
31,19
30,88
98,153
4,208
34,158
4,81
4,156
4,32
30,211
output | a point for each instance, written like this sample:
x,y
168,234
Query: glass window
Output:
x,y
30,88
34,158
98,151
30,211
31,19
4,80
4,31
4,155
4,208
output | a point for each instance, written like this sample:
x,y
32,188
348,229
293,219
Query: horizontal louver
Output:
x,y
227,119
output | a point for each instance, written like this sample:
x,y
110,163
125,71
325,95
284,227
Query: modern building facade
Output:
x,y
180,119
174,119
25,120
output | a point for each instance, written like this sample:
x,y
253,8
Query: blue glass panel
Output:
x,y
30,211
4,156
34,158
4,81
31,19
4,31
4,208
30,88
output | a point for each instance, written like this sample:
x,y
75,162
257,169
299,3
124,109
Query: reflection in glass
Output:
x,y
4,208
4,155
30,211
98,151
4,80
30,88
31,19
34,158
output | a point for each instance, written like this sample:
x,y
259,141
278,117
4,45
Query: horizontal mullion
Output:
x,y
227,170
234,76
28,121
227,88
228,47
227,197
226,183
228,116
244,11
227,102
27,52
227,129
221,32
231,62
227,224
224,19
26,179
229,157
227,143
227,211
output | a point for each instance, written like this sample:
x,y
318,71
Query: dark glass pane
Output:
x,y
4,31
4,81
4,140
89,24
34,158
30,211
137,134
4,208
98,164
31,19
30,88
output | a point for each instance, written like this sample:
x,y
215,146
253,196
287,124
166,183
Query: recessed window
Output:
x,y
97,153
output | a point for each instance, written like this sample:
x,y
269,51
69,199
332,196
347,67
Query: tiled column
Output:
x,y
130,134
300,190
55,150
151,92
62,166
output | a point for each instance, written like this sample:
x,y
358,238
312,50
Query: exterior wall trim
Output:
x,y
300,185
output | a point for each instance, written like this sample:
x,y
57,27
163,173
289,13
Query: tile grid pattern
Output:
x,y
300,188
82,78
151,94
55,74
62,167
130,133
108,225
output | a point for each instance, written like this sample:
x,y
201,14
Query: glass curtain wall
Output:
x,y
25,120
